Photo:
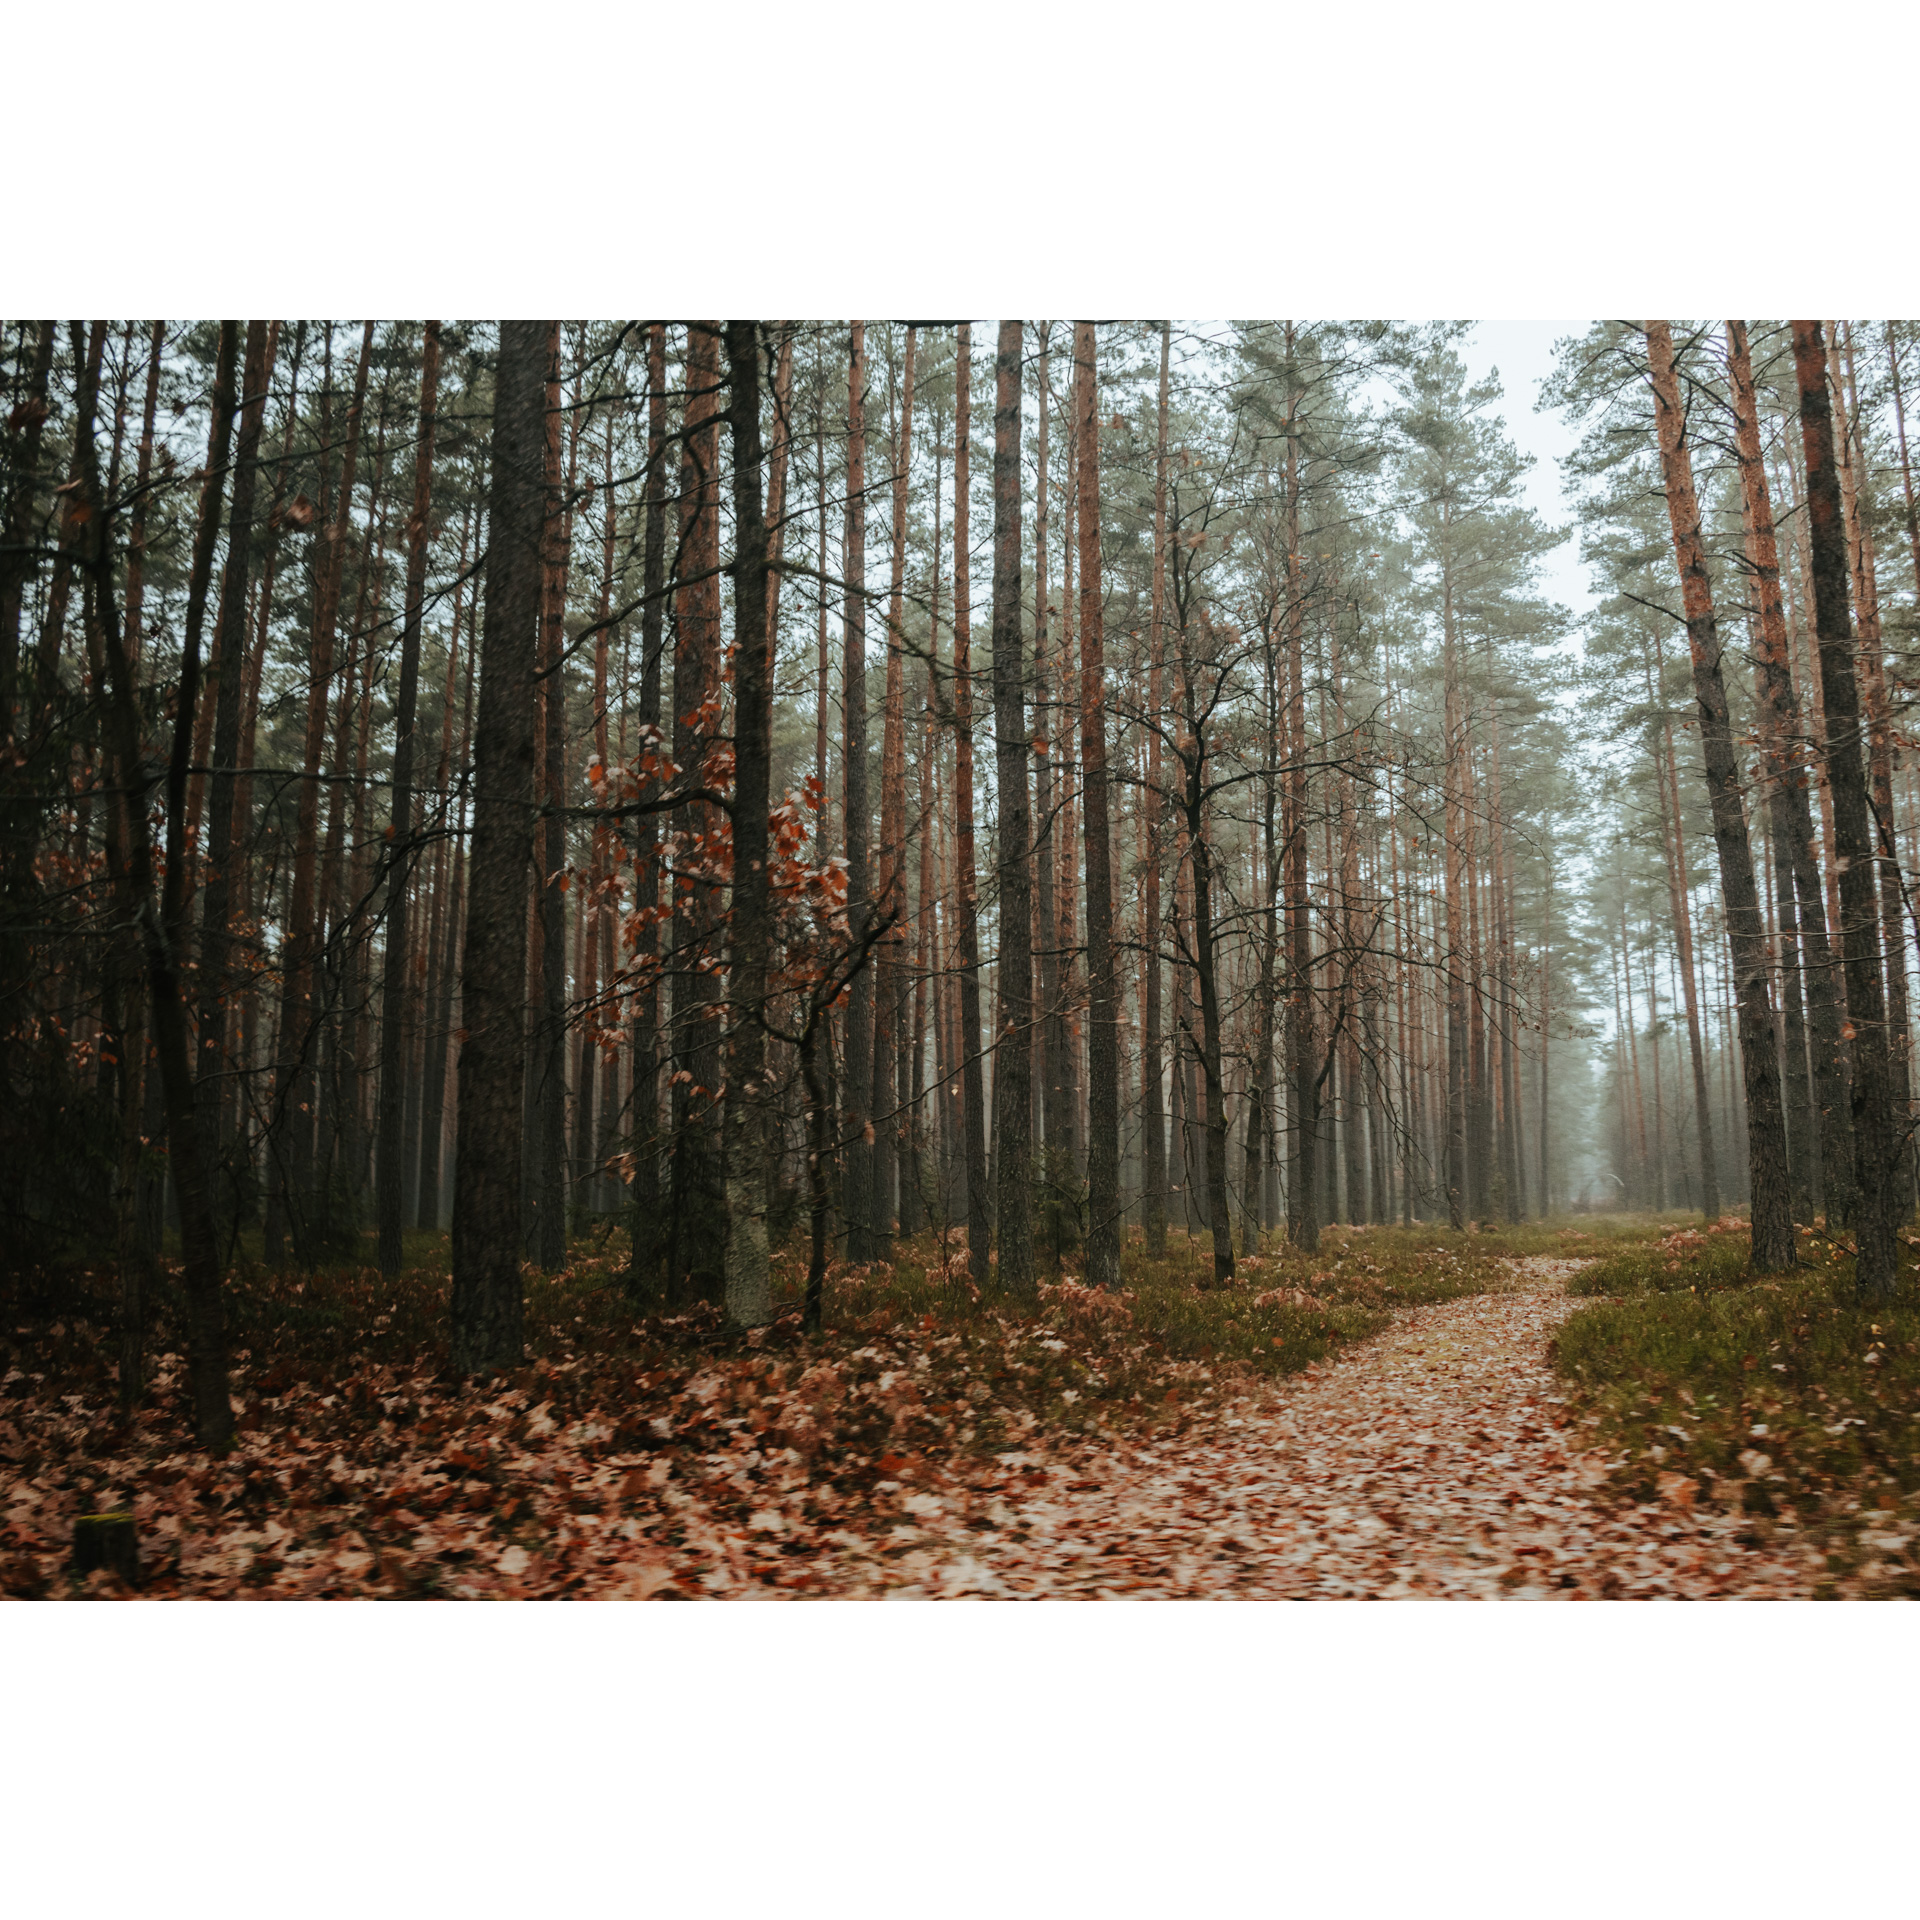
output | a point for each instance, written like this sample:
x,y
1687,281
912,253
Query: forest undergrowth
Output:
x,y
1780,1397
640,1453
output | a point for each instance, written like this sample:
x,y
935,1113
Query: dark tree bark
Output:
x,y
1774,1247
291,1131
890,1023
164,927
860,1205
1874,1146
450,787
972,1077
1801,902
1103,992
23,431
1673,848
1855,490
1055,1128
1153,1167
591,1129
396,1027
487,1307
749,1296
697,1268
547,1118
649,1243
225,843
1013,1059
89,347
1303,1205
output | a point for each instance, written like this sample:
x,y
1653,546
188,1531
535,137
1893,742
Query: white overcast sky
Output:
x,y
1522,350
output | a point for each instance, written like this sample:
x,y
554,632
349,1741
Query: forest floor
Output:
x,y
1435,1461
1381,1420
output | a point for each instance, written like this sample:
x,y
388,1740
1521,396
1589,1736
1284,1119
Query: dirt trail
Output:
x,y
1432,1462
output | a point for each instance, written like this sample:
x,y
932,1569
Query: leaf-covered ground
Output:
x,y
1781,1399
1380,1420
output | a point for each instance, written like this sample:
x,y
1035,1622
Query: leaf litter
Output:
x,y
1437,1460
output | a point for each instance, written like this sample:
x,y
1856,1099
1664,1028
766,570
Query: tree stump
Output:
x,y
107,1540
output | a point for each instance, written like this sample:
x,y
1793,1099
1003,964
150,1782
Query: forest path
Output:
x,y
1432,1462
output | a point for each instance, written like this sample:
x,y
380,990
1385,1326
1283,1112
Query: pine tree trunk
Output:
x,y
336,1200
890,1076
1458,961
1303,1204
89,346
1103,992
1206,973
749,1297
590,914
1153,1173
290,1137
486,1305
861,1205
444,936
1673,849
225,842
548,1120
973,1098
23,430
1546,1036
648,1240
1874,1145
163,926
1805,956
699,1201
397,983
1053,1072
1013,1056
1893,899
1774,1247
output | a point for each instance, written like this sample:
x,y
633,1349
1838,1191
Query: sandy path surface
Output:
x,y
1432,1462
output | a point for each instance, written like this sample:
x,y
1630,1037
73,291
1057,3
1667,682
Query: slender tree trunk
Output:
x,y
699,1179
1103,992
1774,1247
1303,1216
1458,961
1906,465
225,844
487,1307
89,347
1805,956
1546,1038
1053,1072
1206,972
1673,847
1012,1071
590,1126
1153,1181
749,1297
973,1098
1874,1145
1893,901
861,1205
648,1241
890,1022
444,937
395,1026
548,1117
164,925
23,432
291,1134
822,831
